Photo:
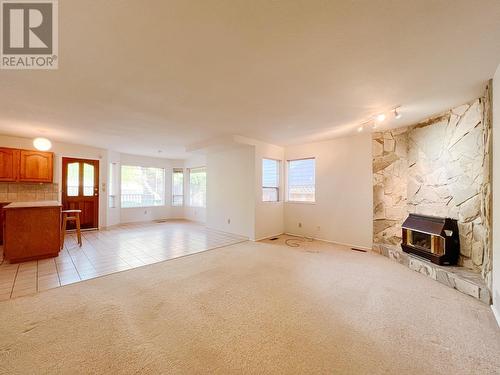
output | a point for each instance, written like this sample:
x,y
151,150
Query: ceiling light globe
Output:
x,y
42,144
380,117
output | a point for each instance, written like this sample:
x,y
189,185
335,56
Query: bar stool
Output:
x,y
71,215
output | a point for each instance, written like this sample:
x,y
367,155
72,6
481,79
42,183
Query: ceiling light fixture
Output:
x,y
374,122
42,144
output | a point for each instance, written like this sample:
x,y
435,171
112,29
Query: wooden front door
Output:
x,y
80,189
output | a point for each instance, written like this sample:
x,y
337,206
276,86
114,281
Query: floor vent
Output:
x,y
161,221
360,250
274,239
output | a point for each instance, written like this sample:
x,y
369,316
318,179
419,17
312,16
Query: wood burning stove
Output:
x,y
432,238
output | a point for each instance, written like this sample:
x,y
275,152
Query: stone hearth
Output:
x,y
460,278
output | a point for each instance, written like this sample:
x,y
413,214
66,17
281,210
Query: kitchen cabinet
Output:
x,y
26,165
9,164
35,166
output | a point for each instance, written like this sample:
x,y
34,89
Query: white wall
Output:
x,y
496,195
113,213
268,215
75,151
140,214
198,214
231,192
343,209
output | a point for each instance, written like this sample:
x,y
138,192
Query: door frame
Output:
x,y
97,176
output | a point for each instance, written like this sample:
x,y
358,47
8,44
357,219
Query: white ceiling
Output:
x,y
142,76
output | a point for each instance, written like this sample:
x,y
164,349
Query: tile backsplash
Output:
x,y
28,192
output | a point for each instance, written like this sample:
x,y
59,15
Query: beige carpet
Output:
x,y
253,308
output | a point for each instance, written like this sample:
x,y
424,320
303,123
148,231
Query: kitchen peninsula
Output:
x,y
32,230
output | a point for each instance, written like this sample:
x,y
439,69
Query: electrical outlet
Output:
x,y
145,212
318,228
300,225
229,221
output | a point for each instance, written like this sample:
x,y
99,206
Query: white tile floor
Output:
x,y
108,251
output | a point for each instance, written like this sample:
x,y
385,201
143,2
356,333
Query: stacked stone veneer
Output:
x,y
438,167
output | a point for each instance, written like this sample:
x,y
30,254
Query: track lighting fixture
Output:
x,y
374,122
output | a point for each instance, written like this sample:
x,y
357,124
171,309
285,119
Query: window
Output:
x,y
301,180
178,187
73,179
270,180
142,186
88,180
198,187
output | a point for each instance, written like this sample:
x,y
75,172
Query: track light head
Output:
x,y
397,114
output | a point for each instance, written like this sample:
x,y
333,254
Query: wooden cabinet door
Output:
x,y
36,166
9,164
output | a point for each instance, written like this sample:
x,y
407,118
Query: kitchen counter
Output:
x,y
33,204
32,230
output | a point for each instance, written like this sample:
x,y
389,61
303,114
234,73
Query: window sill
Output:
x,y
299,202
128,208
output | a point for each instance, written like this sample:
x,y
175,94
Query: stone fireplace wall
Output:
x,y
438,167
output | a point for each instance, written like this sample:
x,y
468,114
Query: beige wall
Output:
x,y
230,191
343,209
496,195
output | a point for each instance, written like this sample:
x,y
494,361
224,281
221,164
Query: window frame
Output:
x,y
144,206
174,171
113,184
278,195
189,187
288,200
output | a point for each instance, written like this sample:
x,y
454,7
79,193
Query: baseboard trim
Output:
x,y
244,238
147,222
496,314
271,236
332,242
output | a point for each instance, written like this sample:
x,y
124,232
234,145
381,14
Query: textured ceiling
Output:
x,y
142,76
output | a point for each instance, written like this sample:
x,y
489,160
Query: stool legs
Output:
x,y
63,231
76,219
78,231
